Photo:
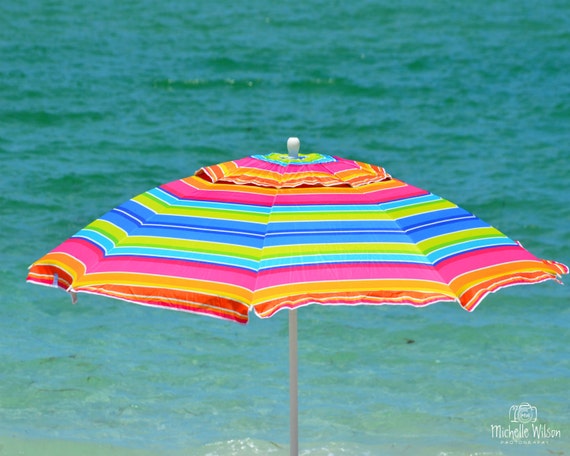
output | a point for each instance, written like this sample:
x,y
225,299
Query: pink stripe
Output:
x,y
345,271
91,255
348,196
80,249
177,268
297,196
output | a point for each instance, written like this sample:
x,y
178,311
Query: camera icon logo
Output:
x,y
523,413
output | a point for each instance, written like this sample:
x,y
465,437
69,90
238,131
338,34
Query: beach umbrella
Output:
x,y
284,230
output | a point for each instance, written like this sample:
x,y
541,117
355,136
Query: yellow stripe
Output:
x,y
95,280
61,260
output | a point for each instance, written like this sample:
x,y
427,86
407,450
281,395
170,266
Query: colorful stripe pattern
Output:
x,y
269,232
281,171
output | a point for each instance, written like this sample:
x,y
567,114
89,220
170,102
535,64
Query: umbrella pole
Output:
x,y
293,390
293,145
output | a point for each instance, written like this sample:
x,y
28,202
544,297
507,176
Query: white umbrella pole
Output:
x,y
293,389
293,145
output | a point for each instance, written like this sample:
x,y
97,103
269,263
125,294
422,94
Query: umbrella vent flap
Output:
x,y
279,170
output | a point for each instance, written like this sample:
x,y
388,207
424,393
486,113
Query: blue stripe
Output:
x,y
185,227
409,201
335,237
104,243
457,249
443,227
413,222
147,217
333,225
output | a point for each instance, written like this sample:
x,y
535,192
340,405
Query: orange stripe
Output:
x,y
201,184
65,264
189,301
473,296
363,287
45,276
267,309
473,278
361,174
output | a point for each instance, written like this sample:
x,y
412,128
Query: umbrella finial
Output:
x,y
293,145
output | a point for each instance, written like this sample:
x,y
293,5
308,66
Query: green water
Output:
x,y
100,101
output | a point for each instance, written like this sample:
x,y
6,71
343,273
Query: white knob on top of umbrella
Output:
x,y
293,146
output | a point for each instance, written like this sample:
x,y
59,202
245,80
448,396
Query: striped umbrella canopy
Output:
x,y
281,231
269,232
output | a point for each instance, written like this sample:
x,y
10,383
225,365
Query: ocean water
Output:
x,y
100,101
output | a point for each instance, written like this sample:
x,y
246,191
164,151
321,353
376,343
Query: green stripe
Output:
x,y
345,248
445,240
160,207
420,208
330,215
185,245
107,229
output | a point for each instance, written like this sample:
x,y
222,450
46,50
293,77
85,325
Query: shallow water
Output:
x,y
104,101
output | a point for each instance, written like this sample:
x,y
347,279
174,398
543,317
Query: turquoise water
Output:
x,y
103,100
